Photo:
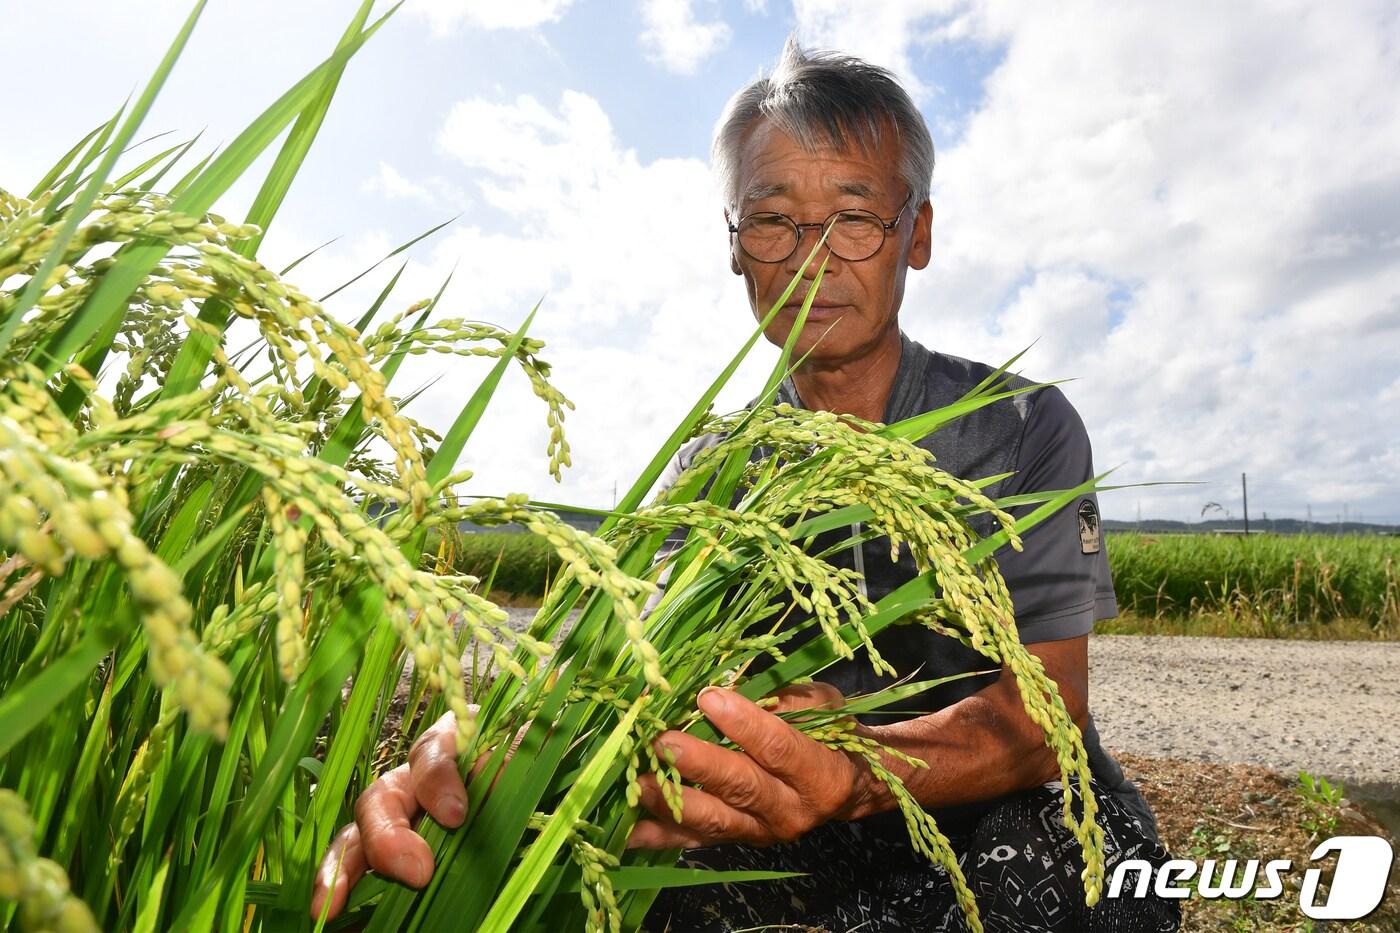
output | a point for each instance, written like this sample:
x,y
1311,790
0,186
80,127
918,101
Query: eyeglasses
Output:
x,y
852,235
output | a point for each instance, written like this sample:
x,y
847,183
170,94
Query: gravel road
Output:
x,y
1330,708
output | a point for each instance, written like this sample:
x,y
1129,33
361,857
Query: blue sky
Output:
x,y
1194,212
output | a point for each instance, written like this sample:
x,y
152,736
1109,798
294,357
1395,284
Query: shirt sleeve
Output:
x,y
1060,582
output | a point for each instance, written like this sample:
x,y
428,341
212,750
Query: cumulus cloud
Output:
x,y
675,39
446,15
640,311
1199,226
390,183
886,33
1197,222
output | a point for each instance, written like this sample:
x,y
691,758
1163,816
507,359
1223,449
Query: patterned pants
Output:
x,y
1020,861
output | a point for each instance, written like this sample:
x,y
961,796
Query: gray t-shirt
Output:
x,y
1059,583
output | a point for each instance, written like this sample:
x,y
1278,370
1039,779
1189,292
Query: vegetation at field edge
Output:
x,y
1313,587
1319,586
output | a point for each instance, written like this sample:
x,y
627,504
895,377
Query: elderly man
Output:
x,y
832,143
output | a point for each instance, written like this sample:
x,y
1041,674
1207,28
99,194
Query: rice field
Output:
x,y
1271,585
1301,586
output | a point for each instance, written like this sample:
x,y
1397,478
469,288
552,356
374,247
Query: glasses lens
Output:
x,y
767,237
856,235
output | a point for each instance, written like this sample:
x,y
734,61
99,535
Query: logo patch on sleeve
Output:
x,y
1088,527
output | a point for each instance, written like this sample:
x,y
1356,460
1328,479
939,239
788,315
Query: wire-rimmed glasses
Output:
x,y
853,235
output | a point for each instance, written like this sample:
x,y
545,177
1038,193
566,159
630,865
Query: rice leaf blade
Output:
x,y
79,208
66,159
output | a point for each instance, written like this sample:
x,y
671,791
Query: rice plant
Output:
x,y
213,575
1265,583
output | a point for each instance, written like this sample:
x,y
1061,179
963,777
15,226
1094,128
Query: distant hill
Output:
x,y
1282,526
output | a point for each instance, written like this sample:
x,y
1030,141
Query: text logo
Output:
x,y
1358,883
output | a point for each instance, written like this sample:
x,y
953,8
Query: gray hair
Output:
x,y
822,98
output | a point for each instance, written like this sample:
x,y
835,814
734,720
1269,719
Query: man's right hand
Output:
x,y
382,836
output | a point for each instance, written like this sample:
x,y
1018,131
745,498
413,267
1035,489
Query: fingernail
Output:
x,y
713,700
450,809
669,752
410,870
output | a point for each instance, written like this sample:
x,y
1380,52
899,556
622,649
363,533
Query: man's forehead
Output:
x,y
759,189
773,163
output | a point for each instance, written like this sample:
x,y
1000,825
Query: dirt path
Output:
x,y
1330,708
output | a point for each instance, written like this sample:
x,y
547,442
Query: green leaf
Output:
x,y
71,182
537,859
25,707
654,877
135,261
304,256
79,208
455,440
387,256
295,728
47,181
147,165
150,902
653,470
150,183
210,542
298,143
308,101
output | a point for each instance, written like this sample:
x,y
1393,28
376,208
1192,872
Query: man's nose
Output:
x,y
805,245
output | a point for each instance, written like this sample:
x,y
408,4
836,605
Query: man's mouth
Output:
x,y
819,307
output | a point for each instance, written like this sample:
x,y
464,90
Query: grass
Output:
x,y
1245,624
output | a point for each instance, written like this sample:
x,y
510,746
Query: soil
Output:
x,y
1245,811
1216,730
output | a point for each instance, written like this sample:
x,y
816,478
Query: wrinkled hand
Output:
x,y
382,836
779,787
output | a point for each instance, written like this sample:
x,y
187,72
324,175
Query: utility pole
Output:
x,y
1244,487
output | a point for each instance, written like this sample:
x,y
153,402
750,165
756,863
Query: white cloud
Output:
x,y
1200,223
388,182
434,192
447,15
885,33
639,314
675,39
640,311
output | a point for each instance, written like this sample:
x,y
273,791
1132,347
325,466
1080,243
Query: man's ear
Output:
x,y
921,246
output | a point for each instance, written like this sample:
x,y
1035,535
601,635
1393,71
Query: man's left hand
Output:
x,y
779,787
